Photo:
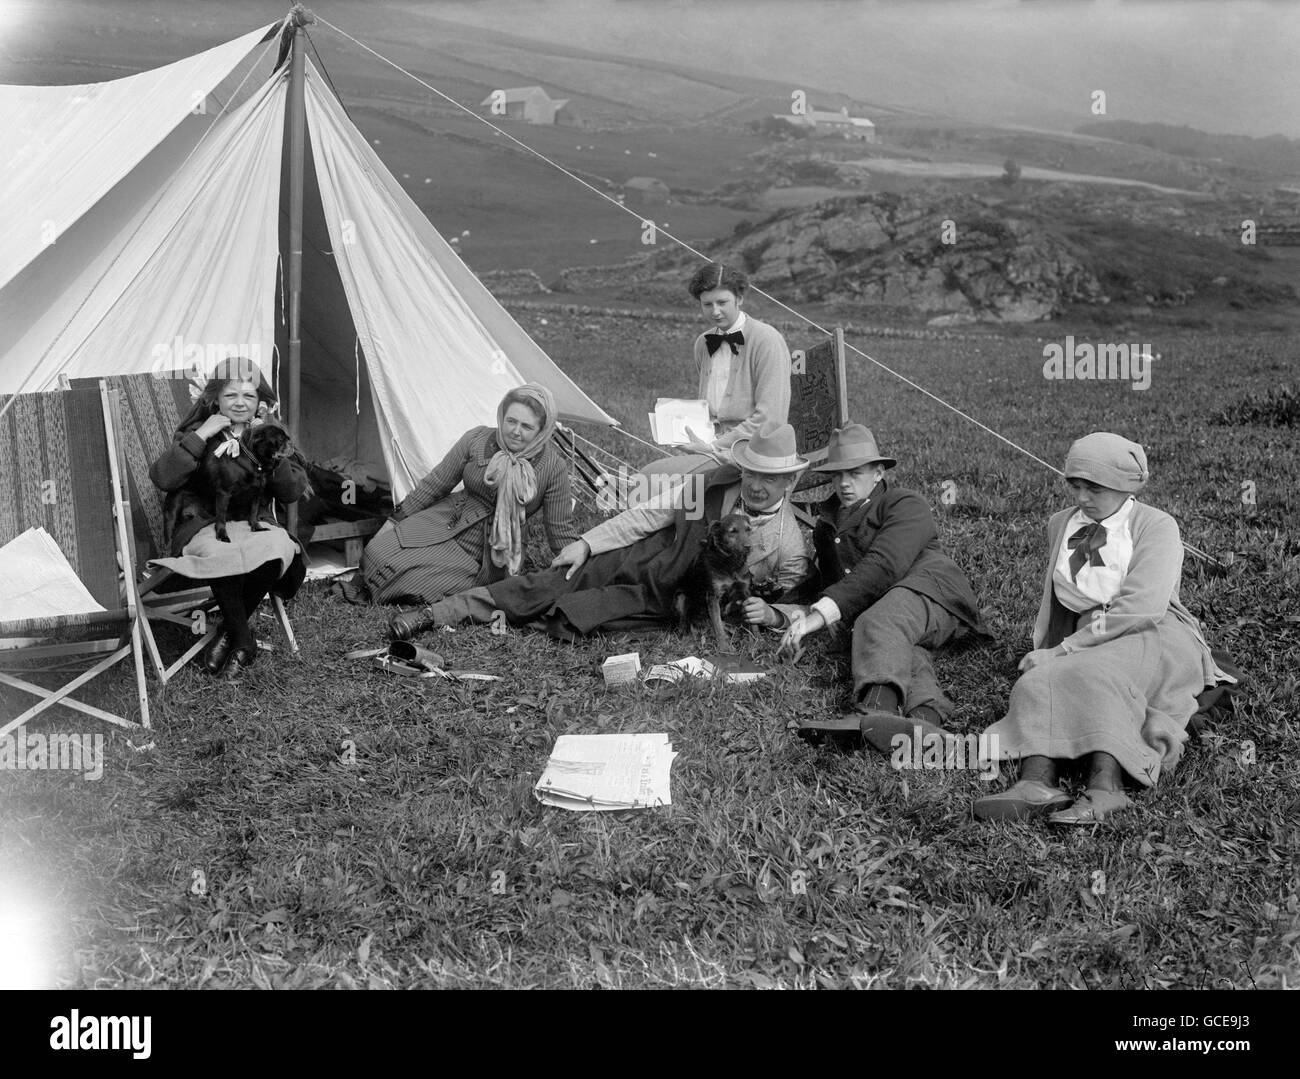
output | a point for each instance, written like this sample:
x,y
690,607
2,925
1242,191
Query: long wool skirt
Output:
x,y
397,574
1130,697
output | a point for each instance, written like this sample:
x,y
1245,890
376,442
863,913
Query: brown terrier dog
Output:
x,y
236,481
717,582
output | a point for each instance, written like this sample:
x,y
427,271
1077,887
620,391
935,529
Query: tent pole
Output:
x,y
299,17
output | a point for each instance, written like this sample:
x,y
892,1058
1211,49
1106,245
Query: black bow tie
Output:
x,y
715,340
1085,547
756,515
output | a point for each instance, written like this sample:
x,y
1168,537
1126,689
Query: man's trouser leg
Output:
x,y
889,642
472,605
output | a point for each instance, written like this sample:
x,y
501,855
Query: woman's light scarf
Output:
x,y
514,478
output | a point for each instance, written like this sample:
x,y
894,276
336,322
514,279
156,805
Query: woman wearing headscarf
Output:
x,y
242,570
1118,661
439,542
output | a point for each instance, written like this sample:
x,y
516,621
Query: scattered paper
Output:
x,y
36,580
673,415
590,772
730,668
620,670
461,676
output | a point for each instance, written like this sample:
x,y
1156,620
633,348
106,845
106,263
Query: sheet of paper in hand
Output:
x,y
36,580
589,772
673,415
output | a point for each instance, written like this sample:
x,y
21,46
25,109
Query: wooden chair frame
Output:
x,y
128,644
179,607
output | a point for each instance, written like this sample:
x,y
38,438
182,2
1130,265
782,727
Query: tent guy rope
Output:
x,y
700,254
683,244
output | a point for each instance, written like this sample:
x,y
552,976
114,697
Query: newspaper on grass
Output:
x,y
36,580
674,418
590,772
731,669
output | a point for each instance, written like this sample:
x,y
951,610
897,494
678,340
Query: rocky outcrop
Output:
x,y
952,256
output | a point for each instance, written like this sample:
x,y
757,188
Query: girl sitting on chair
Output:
x,y
242,571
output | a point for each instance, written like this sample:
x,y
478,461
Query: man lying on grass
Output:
x,y
623,574
879,569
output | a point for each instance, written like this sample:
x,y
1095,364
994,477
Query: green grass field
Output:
x,y
429,863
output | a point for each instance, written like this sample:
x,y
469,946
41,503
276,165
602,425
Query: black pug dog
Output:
x,y
238,483
717,582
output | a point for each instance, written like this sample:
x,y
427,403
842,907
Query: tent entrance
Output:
x,y
337,412
338,431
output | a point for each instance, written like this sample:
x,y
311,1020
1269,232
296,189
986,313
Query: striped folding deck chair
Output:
x,y
149,412
59,470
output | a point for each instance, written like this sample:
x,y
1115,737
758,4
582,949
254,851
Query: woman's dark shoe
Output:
x,y
406,625
216,653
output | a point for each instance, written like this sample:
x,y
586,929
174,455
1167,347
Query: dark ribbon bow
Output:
x,y
715,340
1085,547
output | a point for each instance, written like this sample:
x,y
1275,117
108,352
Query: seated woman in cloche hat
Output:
x,y
1118,661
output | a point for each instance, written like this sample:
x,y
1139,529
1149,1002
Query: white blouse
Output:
x,y
720,368
1095,585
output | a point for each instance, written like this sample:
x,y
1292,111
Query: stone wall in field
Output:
x,y
794,330
629,279
513,282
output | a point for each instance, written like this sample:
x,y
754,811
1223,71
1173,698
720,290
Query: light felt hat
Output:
x,y
772,451
851,447
1108,460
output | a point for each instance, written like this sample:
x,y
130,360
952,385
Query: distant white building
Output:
x,y
532,105
826,123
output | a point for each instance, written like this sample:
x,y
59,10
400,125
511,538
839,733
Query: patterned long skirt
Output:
x,y
424,574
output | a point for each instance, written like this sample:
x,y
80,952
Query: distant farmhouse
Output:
x,y
646,189
825,123
532,105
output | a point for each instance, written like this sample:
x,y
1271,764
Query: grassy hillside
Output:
x,y
429,863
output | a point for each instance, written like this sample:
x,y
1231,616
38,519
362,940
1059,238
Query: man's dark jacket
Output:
x,y
629,588
889,540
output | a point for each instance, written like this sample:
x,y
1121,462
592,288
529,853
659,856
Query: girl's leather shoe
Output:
x,y
216,653
240,660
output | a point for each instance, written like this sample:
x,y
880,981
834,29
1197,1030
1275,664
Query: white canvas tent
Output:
x,y
144,232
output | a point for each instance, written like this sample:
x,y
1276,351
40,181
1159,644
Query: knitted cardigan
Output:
x,y
758,388
1147,595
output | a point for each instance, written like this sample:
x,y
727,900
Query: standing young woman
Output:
x,y
744,372
242,571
